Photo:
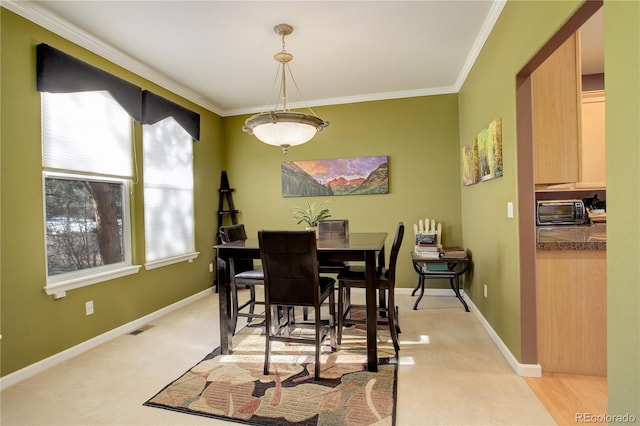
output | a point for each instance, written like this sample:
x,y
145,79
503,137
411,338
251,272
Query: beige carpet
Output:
x,y
449,373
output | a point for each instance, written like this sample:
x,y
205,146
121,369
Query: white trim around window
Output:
x,y
188,257
58,288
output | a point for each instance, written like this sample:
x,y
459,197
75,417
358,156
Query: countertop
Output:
x,y
569,237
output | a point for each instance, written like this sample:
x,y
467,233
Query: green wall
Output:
x,y
490,91
622,82
34,325
420,137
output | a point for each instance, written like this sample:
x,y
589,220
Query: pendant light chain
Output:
x,y
282,127
284,58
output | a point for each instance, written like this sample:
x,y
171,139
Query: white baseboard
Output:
x,y
524,370
40,366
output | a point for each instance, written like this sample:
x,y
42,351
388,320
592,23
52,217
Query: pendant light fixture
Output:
x,y
282,127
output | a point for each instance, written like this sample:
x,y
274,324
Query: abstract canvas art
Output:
x,y
340,176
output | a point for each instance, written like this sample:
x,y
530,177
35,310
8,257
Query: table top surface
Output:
x,y
354,241
447,259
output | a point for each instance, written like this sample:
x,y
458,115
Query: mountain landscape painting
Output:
x,y
340,176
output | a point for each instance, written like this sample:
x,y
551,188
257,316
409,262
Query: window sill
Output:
x,y
171,260
58,289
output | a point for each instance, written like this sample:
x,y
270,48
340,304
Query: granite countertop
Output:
x,y
570,237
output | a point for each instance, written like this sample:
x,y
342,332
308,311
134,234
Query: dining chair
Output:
x,y
333,228
354,277
328,229
242,273
292,278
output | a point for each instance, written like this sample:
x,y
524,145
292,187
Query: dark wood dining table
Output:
x,y
357,246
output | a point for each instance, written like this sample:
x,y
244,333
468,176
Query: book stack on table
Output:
x,y
427,246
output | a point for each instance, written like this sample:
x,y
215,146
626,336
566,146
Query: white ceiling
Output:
x,y
219,54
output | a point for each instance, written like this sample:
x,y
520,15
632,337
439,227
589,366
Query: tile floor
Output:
x,y
450,373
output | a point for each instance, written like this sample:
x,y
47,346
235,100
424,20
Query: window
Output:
x,y
74,207
87,170
168,193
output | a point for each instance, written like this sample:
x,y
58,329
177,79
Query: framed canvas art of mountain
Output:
x,y
340,176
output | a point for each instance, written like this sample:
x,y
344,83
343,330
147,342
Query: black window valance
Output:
x,y
58,72
156,108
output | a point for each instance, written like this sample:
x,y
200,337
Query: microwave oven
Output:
x,y
560,212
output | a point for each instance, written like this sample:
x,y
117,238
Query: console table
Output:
x,y
451,268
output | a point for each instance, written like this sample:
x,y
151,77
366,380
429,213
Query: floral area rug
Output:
x,y
233,387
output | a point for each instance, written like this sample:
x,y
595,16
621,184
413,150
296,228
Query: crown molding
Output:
x,y
350,99
485,31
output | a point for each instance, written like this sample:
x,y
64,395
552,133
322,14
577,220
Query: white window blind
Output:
x,y
86,132
168,192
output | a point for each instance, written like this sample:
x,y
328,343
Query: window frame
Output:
x,y
58,285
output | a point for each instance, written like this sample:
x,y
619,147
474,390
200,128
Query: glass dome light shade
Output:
x,y
284,128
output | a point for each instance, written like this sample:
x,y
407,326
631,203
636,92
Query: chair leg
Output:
x,y
347,300
332,321
267,346
382,305
341,291
392,318
252,306
234,309
318,345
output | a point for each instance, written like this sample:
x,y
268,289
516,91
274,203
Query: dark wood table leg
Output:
x,y
372,320
224,302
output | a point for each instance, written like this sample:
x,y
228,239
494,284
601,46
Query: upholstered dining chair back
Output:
x,y
333,228
393,256
230,233
329,229
290,264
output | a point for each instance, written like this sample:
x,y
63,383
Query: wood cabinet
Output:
x,y
593,167
572,311
556,94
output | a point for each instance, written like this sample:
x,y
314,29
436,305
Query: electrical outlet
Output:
x,y
510,210
211,267
485,290
88,307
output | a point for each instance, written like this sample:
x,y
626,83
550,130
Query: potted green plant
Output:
x,y
312,214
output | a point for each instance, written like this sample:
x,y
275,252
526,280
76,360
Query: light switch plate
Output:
x,y
510,210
